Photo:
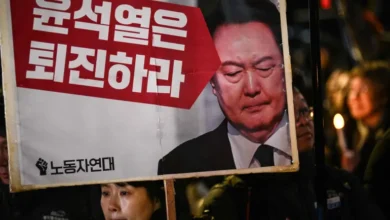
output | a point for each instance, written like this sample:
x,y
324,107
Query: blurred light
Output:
x,y
326,4
338,121
311,112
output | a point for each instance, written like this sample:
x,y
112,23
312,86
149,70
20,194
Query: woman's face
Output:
x,y
126,203
361,98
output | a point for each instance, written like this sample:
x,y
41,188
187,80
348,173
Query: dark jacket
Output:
x,y
292,195
346,198
56,203
259,196
354,201
208,152
376,176
16,206
62,203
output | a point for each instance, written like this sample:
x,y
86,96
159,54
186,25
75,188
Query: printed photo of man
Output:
x,y
250,89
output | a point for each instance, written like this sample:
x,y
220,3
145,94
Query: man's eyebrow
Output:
x,y
304,109
104,185
232,63
262,60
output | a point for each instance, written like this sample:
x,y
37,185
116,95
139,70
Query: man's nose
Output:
x,y
252,86
113,205
302,120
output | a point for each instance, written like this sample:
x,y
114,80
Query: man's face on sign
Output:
x,y
4,175
249,84
125,202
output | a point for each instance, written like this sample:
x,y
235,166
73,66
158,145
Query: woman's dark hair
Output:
x,y
241,11
377,73
155,189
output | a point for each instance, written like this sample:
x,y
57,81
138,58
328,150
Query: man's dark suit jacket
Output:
x,y
208,152
376,176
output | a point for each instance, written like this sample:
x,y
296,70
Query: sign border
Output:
x,y
12,118
10,95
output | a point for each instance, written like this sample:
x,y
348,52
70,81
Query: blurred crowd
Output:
x,y
355,63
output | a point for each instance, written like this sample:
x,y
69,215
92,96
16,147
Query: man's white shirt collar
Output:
x,y
243,149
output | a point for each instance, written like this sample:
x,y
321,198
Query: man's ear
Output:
x,y
157,204
212,83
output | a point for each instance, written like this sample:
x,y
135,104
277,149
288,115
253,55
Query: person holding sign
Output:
x,y
249,86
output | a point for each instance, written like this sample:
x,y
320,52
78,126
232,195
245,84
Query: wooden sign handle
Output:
x,y
169,188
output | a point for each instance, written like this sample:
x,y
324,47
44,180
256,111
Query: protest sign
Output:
x,y
105,91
